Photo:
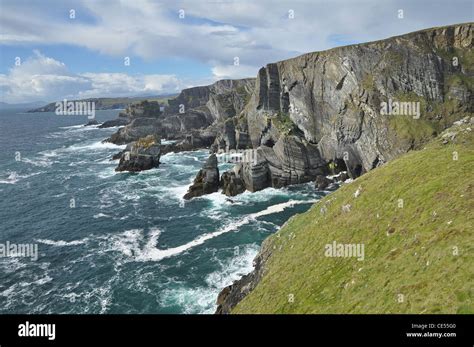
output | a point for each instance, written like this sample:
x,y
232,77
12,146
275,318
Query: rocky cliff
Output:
x,y
408,252
326,106
354,108
196,116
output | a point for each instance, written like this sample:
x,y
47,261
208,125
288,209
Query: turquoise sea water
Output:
x,y
130,244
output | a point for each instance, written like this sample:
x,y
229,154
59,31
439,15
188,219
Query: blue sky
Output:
x,y
63,57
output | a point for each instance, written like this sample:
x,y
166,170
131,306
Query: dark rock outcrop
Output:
x,y
327,182
140,155
231,182
322,182
91,122
206,181
120,121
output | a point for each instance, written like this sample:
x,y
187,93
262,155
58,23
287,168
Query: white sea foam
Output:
x,y
79,126
191,300
61,243
176,192
234,268
13,178
168,142
98,145
218,199
81,147
101,215
281,207
41,162
202,300
107,173
261,195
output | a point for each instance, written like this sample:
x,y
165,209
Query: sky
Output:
x,y
60,49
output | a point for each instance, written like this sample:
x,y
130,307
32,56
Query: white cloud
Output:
x,y
233,71
44,78
257,31
212,33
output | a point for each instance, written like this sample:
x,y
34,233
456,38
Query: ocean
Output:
x,y
119,242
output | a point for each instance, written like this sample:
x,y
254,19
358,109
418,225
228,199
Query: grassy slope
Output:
x,y
408,250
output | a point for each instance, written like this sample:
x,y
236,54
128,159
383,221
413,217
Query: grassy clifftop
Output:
x,y
414,218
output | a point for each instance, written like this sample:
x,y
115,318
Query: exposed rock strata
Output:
x,y
334,98
200,111
331,101
140,155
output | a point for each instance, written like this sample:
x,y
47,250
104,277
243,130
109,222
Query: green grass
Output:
x,y
407,128
408,250
147,141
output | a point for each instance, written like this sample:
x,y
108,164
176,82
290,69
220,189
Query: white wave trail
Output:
x,y
150,252
61,243
11,179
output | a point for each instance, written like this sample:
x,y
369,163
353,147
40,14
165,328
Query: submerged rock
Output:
x,y
206,181
91,122
322,182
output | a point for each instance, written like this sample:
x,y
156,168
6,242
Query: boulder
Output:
x,y
322,182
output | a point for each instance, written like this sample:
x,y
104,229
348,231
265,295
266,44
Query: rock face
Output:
x,y
143,154
206,181
138,128
231,181
326,106
143,119
291,160
199,112
301,114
